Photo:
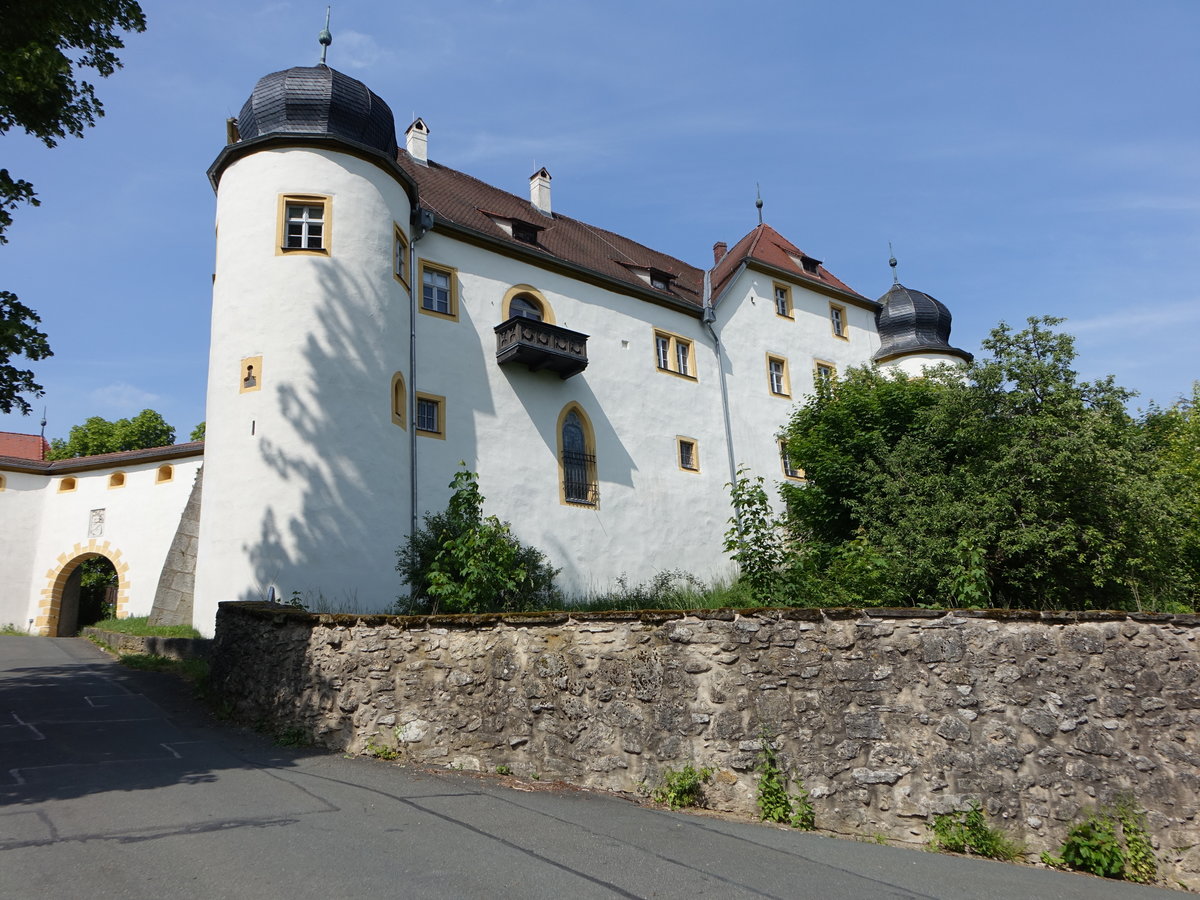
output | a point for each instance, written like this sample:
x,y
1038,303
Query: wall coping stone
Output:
x,y
281,614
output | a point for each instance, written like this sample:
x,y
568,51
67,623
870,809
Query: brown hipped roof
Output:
x,y
462,200
458,198
766,245
23,446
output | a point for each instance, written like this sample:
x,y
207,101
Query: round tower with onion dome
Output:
x,y
307,455
914,332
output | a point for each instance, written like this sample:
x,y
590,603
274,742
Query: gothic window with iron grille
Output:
x,y
578,463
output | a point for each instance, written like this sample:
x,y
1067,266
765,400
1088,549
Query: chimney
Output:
x,y
539,191
416,141
720,248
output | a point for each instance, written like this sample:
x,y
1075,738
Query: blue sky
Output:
x,y
1024,158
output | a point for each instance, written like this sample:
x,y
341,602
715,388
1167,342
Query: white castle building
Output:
x,y
378,317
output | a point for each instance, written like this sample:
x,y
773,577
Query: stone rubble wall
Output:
x,y
170,647
887,716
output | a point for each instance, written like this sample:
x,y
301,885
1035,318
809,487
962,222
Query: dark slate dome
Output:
x,y
318,100
913,322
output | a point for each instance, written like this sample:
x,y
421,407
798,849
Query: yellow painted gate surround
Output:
x,y
50,605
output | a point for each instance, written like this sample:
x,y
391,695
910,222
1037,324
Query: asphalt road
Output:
x,y
113,783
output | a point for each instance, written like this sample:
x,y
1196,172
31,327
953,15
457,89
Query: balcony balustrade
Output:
x,y
540,345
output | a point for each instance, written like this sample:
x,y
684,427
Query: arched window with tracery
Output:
x,y
578,459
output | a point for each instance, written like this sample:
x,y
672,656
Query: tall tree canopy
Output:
x,y
98,435
1008,482
41,46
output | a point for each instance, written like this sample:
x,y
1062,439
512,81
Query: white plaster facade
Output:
x,y
48,527
313,476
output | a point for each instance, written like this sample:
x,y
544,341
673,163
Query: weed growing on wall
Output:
x,y
967,831
1112,842
381,751
683,787
775,803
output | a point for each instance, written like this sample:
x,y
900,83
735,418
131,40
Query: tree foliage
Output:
x,y
462,561
1010,482
42,44
98,435
19,337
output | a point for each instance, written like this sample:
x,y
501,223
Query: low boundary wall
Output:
x,y
888,716
172,647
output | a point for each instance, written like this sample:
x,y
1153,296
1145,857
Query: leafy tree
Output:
x,y
753,538
1008,482
463,561
41,44
198,432
98,435
19,337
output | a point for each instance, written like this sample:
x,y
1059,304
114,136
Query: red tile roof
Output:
x,y
468,202
766,245
23,446
465,201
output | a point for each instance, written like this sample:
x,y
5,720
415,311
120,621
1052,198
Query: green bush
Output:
x,y
967,831
464,562
681,788
1112,842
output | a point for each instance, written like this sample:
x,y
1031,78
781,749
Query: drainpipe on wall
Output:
x,y
422,222
709,318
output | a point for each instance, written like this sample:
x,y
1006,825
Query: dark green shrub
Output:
x,y
464,562
1112,842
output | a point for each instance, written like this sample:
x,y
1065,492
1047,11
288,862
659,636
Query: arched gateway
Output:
x,y
58,609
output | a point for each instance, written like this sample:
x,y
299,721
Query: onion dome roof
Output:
x,y
913,322
318,100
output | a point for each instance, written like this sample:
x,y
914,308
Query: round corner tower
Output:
x,y
307,452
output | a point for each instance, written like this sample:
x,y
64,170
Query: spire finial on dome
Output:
x,y
758,202
892,263
325,38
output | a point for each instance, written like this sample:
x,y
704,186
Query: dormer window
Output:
x,y
524,232
661,280
809,264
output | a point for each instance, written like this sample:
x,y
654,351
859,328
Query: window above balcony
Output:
x,y
540,345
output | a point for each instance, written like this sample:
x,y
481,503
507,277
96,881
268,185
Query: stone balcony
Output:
x,y
540,345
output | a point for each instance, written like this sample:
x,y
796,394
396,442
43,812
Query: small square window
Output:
x,y
304,224
824,372
673,354
430,418
689,455
164,474
439,296
783,301
837,320
777,376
